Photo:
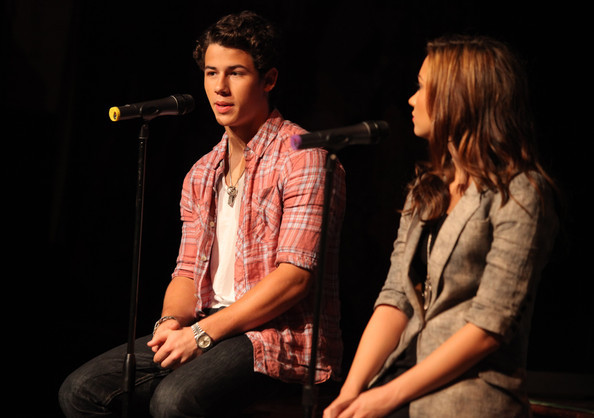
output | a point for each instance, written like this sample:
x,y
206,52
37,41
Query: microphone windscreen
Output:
x,y
296,141
114,113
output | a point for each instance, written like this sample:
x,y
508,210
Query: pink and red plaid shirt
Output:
x,y
280,222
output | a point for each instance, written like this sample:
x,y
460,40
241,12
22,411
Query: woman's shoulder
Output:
x,y
529,178
523,183
529,192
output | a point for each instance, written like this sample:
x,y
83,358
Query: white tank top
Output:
x,y
222,266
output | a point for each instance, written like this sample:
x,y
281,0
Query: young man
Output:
x,y
238,313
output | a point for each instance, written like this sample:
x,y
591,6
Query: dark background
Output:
x,y
69,172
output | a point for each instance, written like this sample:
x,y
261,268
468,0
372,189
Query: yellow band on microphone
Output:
x,y
114,114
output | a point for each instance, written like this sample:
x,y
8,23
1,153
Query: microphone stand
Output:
x,y
130,359
309,392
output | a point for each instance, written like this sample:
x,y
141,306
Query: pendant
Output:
x,y
427,288
426,294
232,192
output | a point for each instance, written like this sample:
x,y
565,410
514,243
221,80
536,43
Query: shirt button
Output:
x,y
212,224
203,258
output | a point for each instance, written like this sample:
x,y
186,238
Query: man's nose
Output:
x,y
221,86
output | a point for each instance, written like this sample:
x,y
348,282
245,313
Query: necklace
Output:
x,y
232,188
427,287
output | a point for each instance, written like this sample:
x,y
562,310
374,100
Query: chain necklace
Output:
x,y
232,188
427,287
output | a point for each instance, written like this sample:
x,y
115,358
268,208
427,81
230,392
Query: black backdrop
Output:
x,y
69,172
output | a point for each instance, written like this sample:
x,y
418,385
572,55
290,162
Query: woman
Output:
x,y
449,332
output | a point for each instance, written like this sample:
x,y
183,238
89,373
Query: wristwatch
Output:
x,y
203,340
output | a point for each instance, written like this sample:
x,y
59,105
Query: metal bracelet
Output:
x,y
161,320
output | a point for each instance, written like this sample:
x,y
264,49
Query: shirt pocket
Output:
x,y
267,212
195,218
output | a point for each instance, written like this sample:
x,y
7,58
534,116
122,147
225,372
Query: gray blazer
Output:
x,y
484,269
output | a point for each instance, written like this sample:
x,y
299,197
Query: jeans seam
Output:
x,y
137,382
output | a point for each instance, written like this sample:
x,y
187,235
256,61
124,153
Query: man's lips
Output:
x,y
223,107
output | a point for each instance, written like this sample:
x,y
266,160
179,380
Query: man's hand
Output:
x,y
173,345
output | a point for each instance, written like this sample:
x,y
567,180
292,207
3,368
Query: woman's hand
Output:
x,y
374,403
338,405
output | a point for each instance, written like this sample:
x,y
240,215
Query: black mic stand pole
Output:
x,y
309,395
130,360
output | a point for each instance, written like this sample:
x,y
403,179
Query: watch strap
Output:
x,y
198,333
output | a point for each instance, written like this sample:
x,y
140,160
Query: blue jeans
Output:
x,y
217,383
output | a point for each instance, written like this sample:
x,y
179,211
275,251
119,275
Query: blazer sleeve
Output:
x,y
523,232
392,292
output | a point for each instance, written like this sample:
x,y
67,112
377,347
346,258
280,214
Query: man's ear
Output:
x,y
270,79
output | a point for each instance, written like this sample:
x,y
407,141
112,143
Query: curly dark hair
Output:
x,y
246,31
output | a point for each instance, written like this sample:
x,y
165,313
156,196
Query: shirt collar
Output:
x,y
265,134
258,144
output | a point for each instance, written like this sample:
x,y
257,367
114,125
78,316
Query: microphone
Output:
x,y
177,104
368,132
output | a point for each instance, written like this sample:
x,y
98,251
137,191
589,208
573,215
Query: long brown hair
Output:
x,y
477,99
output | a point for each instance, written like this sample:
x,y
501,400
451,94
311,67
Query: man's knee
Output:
x,y
66,395
170,400
75,397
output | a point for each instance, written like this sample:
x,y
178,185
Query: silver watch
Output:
x,y
203,340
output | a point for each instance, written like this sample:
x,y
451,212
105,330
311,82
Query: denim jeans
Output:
x,y
217,383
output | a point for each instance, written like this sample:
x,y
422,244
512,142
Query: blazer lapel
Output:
x,y
449,233
412,240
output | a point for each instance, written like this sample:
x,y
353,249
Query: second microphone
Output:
x,y
368,132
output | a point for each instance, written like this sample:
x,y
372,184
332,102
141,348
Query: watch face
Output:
x,y
204,342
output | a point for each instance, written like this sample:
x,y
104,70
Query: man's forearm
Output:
x,y
180,300
273,295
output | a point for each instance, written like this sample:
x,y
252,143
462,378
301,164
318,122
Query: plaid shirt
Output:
x,y
280,222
